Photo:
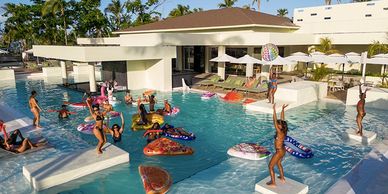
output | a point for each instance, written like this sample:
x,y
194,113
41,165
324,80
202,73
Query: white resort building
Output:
x,y
149,56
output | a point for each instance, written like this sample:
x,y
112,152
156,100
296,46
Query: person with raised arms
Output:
x,y
361,110
281,133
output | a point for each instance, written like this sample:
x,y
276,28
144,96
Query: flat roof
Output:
x,y
214,19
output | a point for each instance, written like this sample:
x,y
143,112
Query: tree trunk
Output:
x,y
64,25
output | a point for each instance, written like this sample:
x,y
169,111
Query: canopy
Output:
x,y
224,58
353,57
381,56
279,61
299,58
248,59
3,52
337,58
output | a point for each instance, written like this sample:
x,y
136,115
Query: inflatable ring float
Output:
x,y
152,117
250,151
296,149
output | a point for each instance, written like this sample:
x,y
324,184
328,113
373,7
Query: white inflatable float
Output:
x,y
249,151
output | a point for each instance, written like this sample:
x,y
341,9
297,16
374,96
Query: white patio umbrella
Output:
x,y
3,52
380,59
338,59
224,58
353,57
300,57
279,61
319,57
246,59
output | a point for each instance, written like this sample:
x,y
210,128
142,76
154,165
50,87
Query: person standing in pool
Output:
x,y
152,103
35,109
281,133
98,129
361,110
116,131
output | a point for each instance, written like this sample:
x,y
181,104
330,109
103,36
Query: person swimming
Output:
x,y
64,113
166,109
151,136
361,110
281,133
116,131
128,97
98,127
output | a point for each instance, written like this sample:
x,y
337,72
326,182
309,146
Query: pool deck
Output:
x,y
368,176
58,170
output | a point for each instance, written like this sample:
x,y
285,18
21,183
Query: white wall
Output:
x,y
345,17
301,92
151,74
52,72
7,74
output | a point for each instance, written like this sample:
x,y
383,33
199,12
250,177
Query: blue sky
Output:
x,y
266,6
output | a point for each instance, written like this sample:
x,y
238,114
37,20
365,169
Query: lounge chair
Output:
x,y
238,82
259,89
245,89
209,82
228,80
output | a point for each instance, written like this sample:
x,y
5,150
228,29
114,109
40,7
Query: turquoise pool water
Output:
x,y
217,125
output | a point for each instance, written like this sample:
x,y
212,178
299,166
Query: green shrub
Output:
x,y
320,72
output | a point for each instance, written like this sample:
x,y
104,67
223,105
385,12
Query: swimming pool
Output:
x,y
217,125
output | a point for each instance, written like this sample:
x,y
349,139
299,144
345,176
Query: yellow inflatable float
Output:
x,y
152,117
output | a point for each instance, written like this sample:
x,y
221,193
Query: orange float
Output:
x,y
233,97
155,180
249,100
167,147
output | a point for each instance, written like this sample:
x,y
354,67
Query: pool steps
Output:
x,y
290,187
58,170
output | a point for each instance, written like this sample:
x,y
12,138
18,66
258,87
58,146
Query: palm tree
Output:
x,y
377,48
325,46
180,10
258,4
227,3
197,10
54,6
117,10
282,12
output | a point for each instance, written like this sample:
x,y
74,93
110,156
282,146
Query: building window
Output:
x,y
327,18
368,15
313,14
370,4
188,58
385,8
299,20
327,8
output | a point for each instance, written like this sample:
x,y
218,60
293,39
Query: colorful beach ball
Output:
x,y
269,52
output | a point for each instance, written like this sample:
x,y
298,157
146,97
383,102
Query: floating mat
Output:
x,y
58,170
367,136
290,187
155,179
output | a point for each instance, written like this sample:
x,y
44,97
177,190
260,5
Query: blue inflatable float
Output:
x,y
177,133
296,149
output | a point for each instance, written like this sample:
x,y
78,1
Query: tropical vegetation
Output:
x,y
227,4
377,48
182,10
325,46
61,22
282,12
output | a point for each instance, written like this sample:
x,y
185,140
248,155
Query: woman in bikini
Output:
x,y
35,109
272,88
116,131
281,133
99,126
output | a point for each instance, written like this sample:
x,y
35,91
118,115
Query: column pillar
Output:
x,y
221,65
64,72
92,78
207,58
179,58
249,67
